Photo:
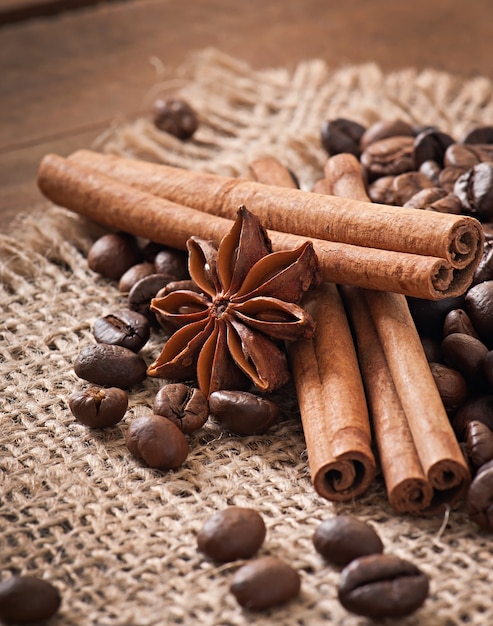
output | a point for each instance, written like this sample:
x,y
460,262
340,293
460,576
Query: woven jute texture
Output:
x,y
119,539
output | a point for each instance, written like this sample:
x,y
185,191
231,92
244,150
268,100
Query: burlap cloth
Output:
x,y
119,539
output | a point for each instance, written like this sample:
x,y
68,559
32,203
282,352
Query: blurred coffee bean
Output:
x,y
265,582
429,315
408,184
475,190
384,129
110,366
460,155
479,442
488,231
157,442
123,328
113,254
484,270
231,534
381,190
390,156
448,176
97,407
435,199
27,600
430,145
479,500
431,169
341,135
451,386
381,586
243,413
465,354
343,538
144,290
133,275
458,321
172,262
478,409
176,117
481,134
479,307
185,406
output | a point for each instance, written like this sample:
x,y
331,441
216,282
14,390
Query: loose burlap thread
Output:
x,y
119,539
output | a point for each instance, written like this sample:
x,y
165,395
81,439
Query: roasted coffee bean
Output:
x,y
176,285
484,270
382,191
110,366
432,349
243,413
408,184
488,368
27,599
460,155
479,500
431,169
97,407
479,307
465,354
430,145
478,409
133,275
122,328
385,129
488,231
341,135
344,538
157,442
458,321
265,582
113,254
176,117
390,156
481,134
185,406
435,199
233,533
479,442
448,177
172,262
144,290
429,315
382,585
475,190
451,386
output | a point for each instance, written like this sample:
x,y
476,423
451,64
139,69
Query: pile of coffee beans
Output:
x,y
425,168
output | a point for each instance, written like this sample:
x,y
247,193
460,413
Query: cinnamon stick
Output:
x,y
332,402
457,239
117,205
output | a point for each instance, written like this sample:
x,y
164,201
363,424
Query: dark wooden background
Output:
x,y
67,68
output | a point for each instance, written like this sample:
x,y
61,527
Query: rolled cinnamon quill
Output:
x,y
332,401
117,205
456,239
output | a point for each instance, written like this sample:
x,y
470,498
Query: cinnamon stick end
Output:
x,y
344,478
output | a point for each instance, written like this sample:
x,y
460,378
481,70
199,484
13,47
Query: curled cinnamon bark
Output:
x,y
457,239
118,205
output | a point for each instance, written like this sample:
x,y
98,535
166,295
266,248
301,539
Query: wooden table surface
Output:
x,y
68,68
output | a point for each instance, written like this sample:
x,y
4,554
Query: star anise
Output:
x,y
232,333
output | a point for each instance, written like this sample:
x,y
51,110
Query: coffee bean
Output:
x,y
458,321
475,190
185,406
265,582
430,145
144,290
157,442
465,354
133,275
122,328
233,533
429,315
382,585
341,135
451,385
176,117
479,409
435,199
481,134
448,177
110,366
344,538
431,349
479,499
172,262
431,169
479,442
484,270
459,155
390,156
479,307
382,190
408,184
385,129
113,254
97,407
27,599
488,368
243,413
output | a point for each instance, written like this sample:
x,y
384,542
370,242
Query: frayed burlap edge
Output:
x,y
117,538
